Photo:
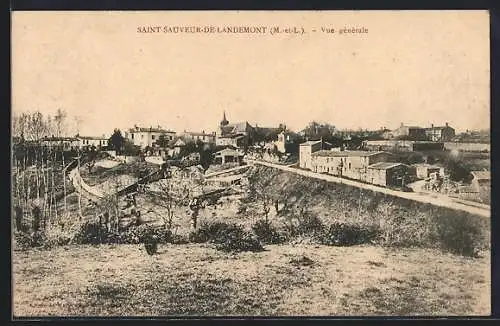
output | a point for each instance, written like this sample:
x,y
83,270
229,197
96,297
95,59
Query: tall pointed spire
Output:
x,y
224,121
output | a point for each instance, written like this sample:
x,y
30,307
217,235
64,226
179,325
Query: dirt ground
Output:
x,y
284,280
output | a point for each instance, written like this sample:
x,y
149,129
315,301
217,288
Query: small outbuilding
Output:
x,y
387,174
425,170
228,155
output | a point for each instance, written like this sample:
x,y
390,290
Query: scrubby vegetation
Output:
x,y
343,215
226,237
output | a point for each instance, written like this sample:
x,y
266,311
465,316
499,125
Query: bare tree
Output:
x,y
60,122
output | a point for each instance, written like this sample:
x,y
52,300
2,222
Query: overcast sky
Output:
x,y
413,67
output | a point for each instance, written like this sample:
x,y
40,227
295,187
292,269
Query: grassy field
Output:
x,y
284,280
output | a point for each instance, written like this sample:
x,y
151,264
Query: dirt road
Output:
x,y
433,199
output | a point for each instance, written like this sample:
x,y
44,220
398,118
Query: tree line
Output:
x,y
38,173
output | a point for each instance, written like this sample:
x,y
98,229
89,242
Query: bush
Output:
x,y
266,233
179,239
92,233
210,231
95,233
30,240
306,224
227,237
145,233
342,234
238,240
458,233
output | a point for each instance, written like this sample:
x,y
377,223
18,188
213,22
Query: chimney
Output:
x,y
432,125
402,124
446,124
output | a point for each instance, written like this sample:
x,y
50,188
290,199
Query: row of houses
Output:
x,y
402,145
151,136
239,135
432,133
68,143
415,145
377,168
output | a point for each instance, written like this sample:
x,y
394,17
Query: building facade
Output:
x,y
64,143
440,133
481,180
234,134
387,174
423,171
228,155
206,138
144,137
306,150
350,164
402,145
409,132
90,141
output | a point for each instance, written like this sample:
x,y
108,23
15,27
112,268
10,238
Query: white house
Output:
x,y
89,141
206,138
144,137
305,152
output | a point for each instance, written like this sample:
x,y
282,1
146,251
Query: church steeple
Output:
x,y
224,121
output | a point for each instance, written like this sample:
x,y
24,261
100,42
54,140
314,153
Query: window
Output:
x,y
152,137
132,136
142,135
349,165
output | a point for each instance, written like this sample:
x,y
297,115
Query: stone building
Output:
x,y
387,174
350,164
144,137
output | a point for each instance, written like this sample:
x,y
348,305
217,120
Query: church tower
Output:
x,y
224,121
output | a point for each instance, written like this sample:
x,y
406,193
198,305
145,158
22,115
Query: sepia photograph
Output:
x,y
250,163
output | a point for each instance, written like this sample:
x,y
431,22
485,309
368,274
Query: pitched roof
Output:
x,y
411,127
345,153
150,129
439,127
228,151
232,128
310,142
60,138
238,135
91,137
384,165
427,165
481,175
195,133
240,126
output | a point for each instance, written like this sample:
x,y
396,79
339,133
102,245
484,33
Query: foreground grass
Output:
x,y
283,280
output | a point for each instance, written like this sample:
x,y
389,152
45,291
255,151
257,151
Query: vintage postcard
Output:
x,y
251,163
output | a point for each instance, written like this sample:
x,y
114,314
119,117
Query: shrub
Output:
x,y
30,240
306,224
266,233
227,237
405,230
92,233
342,234
238,240
310,224
458,233
145,233
95,233
179,239
210,231
151,247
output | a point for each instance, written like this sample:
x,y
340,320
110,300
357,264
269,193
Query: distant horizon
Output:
x,y
419,69
124,129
